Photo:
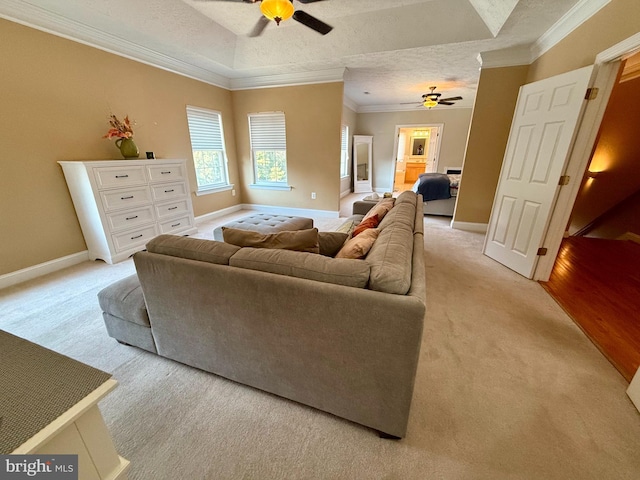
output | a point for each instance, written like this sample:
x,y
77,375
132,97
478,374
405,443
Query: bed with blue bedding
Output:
x,y
439,191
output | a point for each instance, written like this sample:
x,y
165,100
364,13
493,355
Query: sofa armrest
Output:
x,y
361,207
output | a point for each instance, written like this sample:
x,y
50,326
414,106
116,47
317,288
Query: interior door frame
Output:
x,y
439,126
606,68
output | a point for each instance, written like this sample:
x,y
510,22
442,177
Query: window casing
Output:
x,y
207,146
344,151
268,136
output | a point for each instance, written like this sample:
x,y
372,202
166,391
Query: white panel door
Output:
x,y
542,132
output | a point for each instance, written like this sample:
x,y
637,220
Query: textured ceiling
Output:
x,y
392,49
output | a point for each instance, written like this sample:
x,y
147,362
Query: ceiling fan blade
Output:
x,y
442,102
259,27
451,99
312,22
309,1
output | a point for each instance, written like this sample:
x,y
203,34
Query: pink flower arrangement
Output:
x,y
119,129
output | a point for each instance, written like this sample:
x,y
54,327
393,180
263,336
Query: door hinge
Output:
x,y
564,180
542,251
592,93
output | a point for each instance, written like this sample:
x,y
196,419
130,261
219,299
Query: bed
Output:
x,y
439,191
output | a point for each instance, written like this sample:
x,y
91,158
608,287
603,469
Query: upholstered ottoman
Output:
x,y
125,313
266,223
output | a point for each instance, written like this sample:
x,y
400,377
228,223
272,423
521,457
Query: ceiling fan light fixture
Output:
x,y
277,10
430,102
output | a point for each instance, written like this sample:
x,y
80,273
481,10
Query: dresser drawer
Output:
x,y
176,224
166,173
130,218
133,238
172,209
113,177
169,191
126,198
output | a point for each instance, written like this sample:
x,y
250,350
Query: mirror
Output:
x,y
362,150
418,146
362,167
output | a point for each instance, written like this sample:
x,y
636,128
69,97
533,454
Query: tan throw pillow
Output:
x,y
297,240
381,208
331,242
359,246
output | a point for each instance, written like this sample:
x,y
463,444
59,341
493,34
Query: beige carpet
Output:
x,y
507,388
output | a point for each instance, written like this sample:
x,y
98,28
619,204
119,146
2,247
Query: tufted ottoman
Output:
x,y
266,223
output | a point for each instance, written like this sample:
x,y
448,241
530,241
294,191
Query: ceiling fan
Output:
x,y
430,100
280,10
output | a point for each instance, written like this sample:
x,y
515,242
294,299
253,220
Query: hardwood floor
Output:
x,y
597,282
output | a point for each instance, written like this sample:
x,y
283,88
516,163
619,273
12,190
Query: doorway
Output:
x,y
417,150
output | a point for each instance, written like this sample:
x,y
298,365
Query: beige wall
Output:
x,y
383,128
493,112
313,116
56,98
619,20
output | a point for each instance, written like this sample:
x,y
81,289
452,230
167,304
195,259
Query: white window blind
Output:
x,y
268,138
344,151
207,145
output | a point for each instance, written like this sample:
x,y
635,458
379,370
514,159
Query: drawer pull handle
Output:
x,y
126,198
175,225
165,173
137,236
169,191
131,218
172,208
122,176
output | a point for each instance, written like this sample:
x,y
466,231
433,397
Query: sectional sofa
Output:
x,y
340,335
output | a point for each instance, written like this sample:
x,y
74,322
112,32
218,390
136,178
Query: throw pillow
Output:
x,y
331,242
359,246
297,240
371,222
381,208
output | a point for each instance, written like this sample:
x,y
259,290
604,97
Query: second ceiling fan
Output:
x,y
430,100
280,10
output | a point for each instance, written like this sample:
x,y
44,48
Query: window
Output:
x,y
344,151
268,138
207,145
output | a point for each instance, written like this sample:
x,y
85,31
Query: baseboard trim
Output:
x,y
51,266
345,193
470,227
634,237
634,390
295,212
218,213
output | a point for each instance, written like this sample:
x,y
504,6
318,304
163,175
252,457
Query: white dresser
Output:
x,y
122,204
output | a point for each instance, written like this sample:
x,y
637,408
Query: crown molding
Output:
x,y
288,79
40,19
580,13
509,57
347,102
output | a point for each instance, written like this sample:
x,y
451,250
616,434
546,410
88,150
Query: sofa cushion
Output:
x,y
330,243
390,259
407,196
352,273
358,247
210,251
124,300
404,213
297,240
370,222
